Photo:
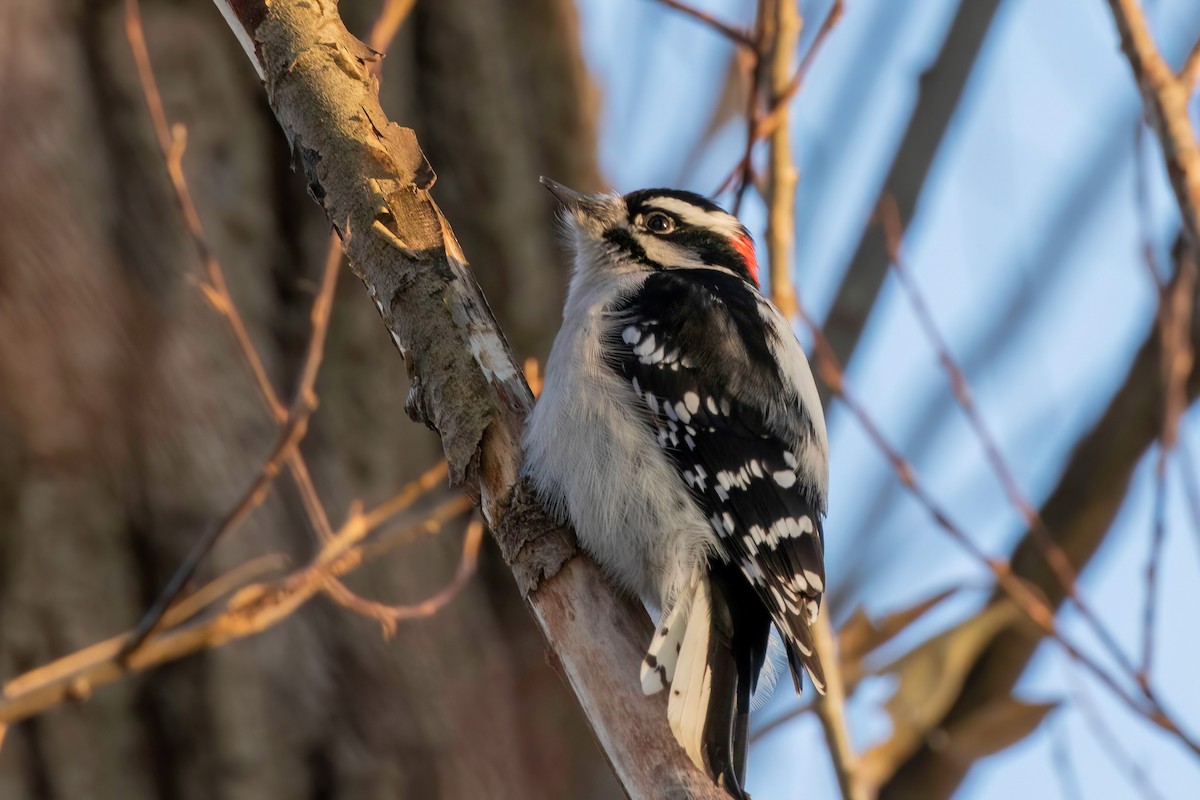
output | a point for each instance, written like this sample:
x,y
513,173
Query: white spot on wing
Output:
x,y
644,347
814,580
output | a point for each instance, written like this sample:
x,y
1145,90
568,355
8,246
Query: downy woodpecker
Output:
x,y
679,430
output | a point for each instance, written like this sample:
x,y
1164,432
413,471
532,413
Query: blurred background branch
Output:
x,y
1018,387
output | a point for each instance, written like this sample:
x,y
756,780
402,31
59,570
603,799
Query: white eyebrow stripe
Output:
x,y
692,215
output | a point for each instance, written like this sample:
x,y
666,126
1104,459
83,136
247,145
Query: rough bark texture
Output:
x,y
127,423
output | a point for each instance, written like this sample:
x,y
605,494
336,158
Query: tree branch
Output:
x,y
251,610
1089,494
738,37
1080,511
781,23
784,25
831,710
941,86
373,182
1166,99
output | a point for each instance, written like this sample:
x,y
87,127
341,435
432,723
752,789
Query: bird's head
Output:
x,y
657,229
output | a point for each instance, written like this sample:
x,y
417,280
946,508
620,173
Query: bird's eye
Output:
x,y
658,222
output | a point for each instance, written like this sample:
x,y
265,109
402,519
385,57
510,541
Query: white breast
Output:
x,y
594,461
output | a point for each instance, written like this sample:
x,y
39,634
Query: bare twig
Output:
x,y
1166,99
769,727
251,610
781,20
251,499
831,710
1055,556
761,126
779,104
781,170
390,615
743,173
1112,745
172,141
384,31
1028,601
738,37
216,290
1064,768
374,181
1189,76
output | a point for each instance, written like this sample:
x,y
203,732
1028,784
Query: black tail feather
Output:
x,y
741,630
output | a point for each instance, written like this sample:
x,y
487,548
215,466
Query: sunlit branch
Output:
x,y
779,104
374,184
1025,598
740,38
294,419
780,22
831,710
781,167
1055,556
1166,100
384,31
1189,76
250,610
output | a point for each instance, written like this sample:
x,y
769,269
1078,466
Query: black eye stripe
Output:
x,y
623,239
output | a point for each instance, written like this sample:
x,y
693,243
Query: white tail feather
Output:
x,y
774,666
687,707
658,667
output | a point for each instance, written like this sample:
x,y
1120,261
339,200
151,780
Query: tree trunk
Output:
x,y
128,422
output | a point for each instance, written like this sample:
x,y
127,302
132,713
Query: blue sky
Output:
x,y
1026,247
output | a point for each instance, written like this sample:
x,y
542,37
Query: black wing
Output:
x,y
695,347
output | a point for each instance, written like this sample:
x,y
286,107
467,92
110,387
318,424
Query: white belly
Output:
x,y
593,460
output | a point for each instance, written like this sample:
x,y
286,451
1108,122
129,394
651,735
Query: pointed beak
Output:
x,y
580,205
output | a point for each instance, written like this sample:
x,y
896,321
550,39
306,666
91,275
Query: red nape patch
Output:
x,y
745,248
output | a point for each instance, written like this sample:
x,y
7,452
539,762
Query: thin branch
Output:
x,y
374,181
173,141
782,20
390,615
251,499
939,90
743,173
384,31
831,710
1166,99
781,170
1028,601
1189,76
1064,768
769,727
761,126
252,609
1173,317
1054,554
1113,746
779,107
738,37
